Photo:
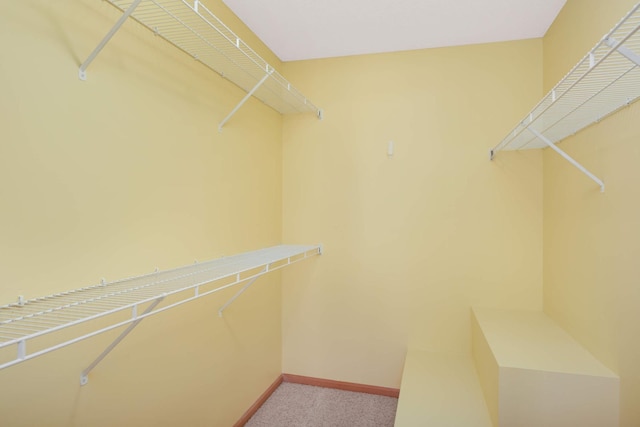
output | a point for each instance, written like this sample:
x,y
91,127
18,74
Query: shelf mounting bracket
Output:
x,y
624,51
233,298
246,286
82,73
568,158
84,376
246,97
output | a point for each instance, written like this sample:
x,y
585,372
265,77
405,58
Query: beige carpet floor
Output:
x,y
296,405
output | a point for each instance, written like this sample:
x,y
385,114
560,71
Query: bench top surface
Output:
x,y
532,340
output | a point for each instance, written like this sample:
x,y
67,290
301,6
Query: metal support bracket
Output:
x,y
82,73
624,51
233,298
568,158
246,97
84,376
253,279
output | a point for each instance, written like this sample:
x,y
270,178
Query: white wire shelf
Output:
x,y
25,321
191,27
604,81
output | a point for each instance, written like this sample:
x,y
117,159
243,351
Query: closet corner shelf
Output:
x,y
192,28
120,303
604,81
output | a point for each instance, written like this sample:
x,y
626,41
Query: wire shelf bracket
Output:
x,y
606,80
628,53
27,320
246,97
82,73
568,158
266,270
84,376
192,28
233,298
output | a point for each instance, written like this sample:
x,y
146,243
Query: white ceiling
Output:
x,y
306,29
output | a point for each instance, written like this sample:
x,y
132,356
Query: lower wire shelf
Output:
x,y
25,321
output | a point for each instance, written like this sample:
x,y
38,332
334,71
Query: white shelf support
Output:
x,y
84,376
233,298
568,158
605,81
82,73
27,320
623,50
189,26
245,99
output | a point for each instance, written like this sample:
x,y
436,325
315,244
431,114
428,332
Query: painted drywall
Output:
x,y
113,177
412,241
592,240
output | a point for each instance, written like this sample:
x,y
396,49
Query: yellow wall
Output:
x,y
125,172
592,240
113,177
412,242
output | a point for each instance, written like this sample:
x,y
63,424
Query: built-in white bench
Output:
x,y
535,374
441,391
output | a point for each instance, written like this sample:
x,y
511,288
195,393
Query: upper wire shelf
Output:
x,y
604,81
191,27
25,321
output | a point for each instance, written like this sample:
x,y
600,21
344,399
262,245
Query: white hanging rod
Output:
x,y
184,283
192,28
604,81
